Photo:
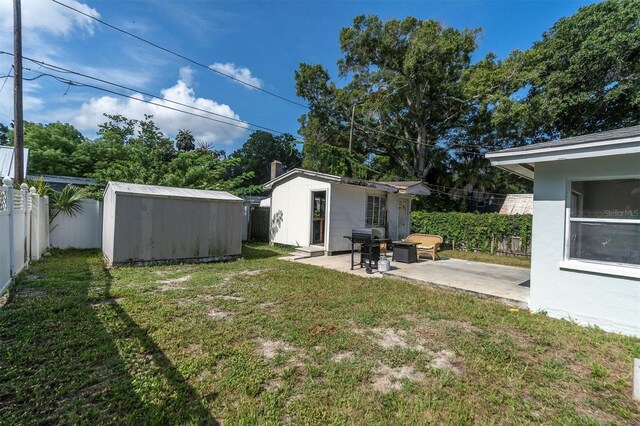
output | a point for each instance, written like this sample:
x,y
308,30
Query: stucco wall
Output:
x,y
609,302
291,210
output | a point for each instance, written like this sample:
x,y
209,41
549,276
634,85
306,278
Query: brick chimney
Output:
x,y
276,169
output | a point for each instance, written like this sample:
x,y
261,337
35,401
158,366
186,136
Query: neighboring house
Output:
x,y
311,208
154,224
517,204
585,262
7,161
59,182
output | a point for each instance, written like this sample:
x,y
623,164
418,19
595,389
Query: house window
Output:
x,y
604,221
376,211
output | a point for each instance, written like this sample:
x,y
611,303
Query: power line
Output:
x,y
58,68
6,77
179,55
113,92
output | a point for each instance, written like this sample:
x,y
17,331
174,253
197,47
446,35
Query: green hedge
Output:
x,y
474,231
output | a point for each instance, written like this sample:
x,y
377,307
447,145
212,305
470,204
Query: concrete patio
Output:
x,y
508,284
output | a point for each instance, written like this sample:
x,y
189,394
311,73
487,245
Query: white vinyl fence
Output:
x,y
81,231
24,229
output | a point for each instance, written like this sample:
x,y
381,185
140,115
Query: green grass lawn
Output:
x,y
268,341
521,261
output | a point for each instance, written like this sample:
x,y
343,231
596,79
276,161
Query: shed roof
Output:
x,y
521,160
7,161
414,187
517,204
170,192
393,187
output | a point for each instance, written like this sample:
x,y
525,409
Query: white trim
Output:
x,y
560,148
602,220
618,270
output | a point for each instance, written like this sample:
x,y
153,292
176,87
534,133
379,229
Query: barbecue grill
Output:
x,y
369,248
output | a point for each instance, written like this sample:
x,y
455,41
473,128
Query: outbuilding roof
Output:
x,y
393,187
517,204
170,192
7,161
413,187
521,160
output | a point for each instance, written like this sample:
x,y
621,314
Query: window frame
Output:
x,y
375,221
592,265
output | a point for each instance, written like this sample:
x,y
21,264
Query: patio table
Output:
x,y
405,252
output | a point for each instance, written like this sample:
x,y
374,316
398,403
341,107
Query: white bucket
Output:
x,y
383,264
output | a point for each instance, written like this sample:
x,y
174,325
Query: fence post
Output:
x,y
24,190
8,184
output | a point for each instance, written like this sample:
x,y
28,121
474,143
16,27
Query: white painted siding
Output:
x,y
82,231
609,302
291,206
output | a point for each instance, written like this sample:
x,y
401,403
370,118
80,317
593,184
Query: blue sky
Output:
x,y
261,42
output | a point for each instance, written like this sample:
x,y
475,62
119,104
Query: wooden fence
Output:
x,y
259,224
24,229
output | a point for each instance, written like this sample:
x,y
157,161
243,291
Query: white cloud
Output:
x,y
91,113
240,73
46,16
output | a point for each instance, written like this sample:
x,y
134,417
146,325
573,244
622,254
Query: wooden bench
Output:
x,y
427,244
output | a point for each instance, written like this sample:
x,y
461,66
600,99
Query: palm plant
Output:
x,y
42,188
67,201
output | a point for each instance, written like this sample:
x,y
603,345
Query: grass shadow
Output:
x,y
261,251
70,353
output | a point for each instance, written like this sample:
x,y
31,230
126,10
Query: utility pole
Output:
x,y
18,126
353,113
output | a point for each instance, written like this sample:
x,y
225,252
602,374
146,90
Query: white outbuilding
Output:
x,y
312,209
145,224
585,260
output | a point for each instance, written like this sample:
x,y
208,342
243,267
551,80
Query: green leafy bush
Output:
x,y
474,231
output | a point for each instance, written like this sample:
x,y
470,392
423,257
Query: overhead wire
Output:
x,y
60,69
181,56
6,77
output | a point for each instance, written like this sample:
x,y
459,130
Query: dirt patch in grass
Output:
x,y
232,298
445,360
270,348
389,338
340,356
387,379
175,280
31,292
323,329
218,314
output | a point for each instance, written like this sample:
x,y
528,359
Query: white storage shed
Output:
x,y
144,224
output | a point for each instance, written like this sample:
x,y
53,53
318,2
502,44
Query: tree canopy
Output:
x,y
411,102
257,153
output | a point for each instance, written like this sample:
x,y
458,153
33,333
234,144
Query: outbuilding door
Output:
x,y
318,208
404,217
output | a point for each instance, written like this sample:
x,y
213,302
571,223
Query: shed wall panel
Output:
x,y
157,229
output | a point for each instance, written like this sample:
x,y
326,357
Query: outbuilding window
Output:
x,y
376,211
604,221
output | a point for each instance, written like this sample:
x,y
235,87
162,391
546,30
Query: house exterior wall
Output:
x,y
149,229
348,211
607,301
291,206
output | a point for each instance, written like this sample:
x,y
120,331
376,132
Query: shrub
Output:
x,y
474,231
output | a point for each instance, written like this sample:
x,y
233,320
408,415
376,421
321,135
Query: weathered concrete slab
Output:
x,y
508,284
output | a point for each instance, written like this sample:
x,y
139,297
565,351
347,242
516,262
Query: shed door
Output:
x,y
404,217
